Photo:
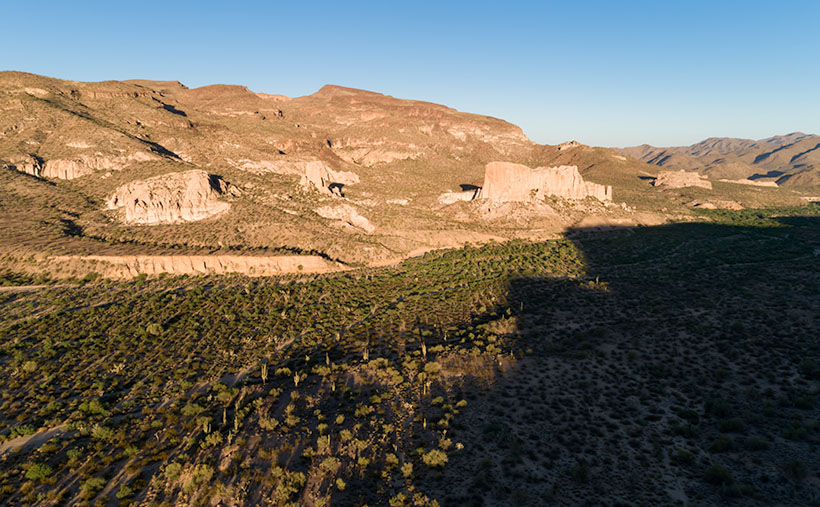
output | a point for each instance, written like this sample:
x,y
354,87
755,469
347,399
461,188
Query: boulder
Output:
x,y
171,198
505,181
681,179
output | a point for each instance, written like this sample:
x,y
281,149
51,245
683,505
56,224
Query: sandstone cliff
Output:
x,y
681,179
171,198
505,181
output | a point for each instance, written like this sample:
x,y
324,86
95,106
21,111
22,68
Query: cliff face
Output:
x,y
505,181
171,198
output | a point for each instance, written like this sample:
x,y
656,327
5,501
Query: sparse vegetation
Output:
x,y
519,370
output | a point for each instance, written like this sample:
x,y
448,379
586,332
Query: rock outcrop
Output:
x,y
29,164
348,215
370,157
681,179
315,174
320,176
505,181
567,145
171,198
83,165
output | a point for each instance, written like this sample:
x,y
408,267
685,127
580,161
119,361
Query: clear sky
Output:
x,y
610,73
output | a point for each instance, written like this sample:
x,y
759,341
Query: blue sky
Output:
x,y
605,73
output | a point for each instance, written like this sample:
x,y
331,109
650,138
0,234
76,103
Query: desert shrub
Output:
x,y
734,425
268,423
91,486
580,473
172,471
38,472
191,409
102,433
124,492
435,458
796,469
723,443
718,475
757,444
683,457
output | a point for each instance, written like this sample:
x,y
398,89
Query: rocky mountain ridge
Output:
x,y
789,160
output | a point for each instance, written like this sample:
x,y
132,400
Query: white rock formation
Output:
x,y
318,175
681,179
505,181
346,214
83,165
28,164
315,173
171,198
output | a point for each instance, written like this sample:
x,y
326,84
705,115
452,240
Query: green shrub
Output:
x,y
124,492
172,471
38,472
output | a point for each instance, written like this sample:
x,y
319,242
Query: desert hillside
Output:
x,y
101,172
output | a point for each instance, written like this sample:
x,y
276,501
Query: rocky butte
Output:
x,y
505,181
171,198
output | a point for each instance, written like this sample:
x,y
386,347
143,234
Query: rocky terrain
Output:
x,y
790,160
217,296
355,177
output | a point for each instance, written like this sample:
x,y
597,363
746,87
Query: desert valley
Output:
x,y
215,296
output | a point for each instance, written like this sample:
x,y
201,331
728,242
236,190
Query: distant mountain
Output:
x,y
791,160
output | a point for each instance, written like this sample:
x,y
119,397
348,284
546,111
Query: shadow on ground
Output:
x,y
682,369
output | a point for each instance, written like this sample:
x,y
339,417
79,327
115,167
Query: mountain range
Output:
x,y
789,160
